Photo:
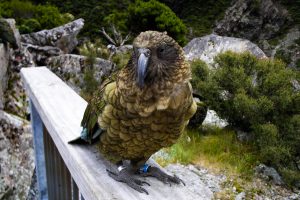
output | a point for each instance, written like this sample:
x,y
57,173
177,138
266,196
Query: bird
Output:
x,y
141,109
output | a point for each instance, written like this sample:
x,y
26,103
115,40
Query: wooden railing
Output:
x,y
67,171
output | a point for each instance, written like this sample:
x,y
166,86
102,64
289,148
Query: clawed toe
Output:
x,y
126,177
162,176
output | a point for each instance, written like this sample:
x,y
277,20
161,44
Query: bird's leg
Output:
x,y
126,175
147,170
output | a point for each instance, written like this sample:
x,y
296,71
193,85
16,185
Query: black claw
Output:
x,y
139,182
162,176
146,183
179,180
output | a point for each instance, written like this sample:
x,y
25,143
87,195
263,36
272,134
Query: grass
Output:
x,y
219,151
213,148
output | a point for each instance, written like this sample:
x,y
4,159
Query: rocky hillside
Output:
x,y
267,23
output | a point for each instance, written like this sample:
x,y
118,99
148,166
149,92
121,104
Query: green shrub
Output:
x,y
30,17
200,72
199,15
153,15
90,83
30,25
96,14
283,55
256,95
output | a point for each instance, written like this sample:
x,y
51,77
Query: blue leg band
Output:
x,y
144,168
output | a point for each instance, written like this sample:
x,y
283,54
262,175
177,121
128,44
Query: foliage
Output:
x,y
283,55
90,83
200,74
99,50
199,15
121,59
153,15
257,96
30,25
293,7
30,17
96,14
213,147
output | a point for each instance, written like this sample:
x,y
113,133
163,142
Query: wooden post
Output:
x,y
38,141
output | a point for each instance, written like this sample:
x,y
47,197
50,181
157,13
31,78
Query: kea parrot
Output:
x,y
142,109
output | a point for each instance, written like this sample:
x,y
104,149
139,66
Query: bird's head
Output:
x,y
156,56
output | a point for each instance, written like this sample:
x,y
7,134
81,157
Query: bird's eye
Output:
x,y
161,50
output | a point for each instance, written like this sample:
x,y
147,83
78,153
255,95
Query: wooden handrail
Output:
x,y
70,171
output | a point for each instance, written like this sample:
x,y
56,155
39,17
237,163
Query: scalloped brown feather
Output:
x,y
139,122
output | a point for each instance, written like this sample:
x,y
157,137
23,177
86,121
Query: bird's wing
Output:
x,y
90,128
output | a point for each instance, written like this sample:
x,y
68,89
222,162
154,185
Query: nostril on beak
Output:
x,y
145,51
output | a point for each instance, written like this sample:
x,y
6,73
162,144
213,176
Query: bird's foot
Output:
x,y
147,170
125,175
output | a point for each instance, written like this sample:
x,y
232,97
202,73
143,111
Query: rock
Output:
x,y
214,120
62,37
121,49
40,54
16,156
4,61
207,47
71,68
12,120
288,48
269,173
253,20
33,191
9,33
294,197
199,182
16,101
296,85
240,196
244,136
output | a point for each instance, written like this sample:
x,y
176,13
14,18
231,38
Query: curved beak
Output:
x,y
143,60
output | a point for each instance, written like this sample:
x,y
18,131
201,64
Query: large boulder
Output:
x,y
9,33
71,68
63,37
253,20
39,55
4,61
207,47
269,174
16,156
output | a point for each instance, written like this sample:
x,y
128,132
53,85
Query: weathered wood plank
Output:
x,y
61,110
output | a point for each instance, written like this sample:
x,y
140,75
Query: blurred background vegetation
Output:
x,y
182,19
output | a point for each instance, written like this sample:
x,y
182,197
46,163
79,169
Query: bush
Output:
x,y
199,16
257,96
153,15
30,17
30,25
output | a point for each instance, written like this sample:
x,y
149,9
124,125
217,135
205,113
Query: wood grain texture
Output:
x,y
61,111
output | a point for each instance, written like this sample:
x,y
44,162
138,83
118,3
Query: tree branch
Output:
x,y
107,36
